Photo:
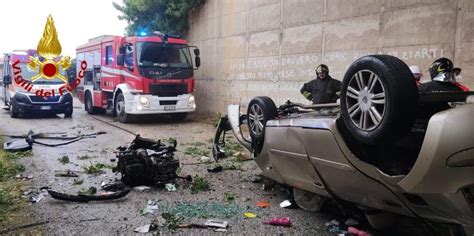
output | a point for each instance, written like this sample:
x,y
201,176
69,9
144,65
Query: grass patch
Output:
x,y
233,166
229,196
172,220
199,184
84,157
196,151
96,169
64,159
232,148
10,189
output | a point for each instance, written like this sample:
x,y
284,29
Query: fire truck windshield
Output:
x,y
151,54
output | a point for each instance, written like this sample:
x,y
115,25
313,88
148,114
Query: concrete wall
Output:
x,y
271,47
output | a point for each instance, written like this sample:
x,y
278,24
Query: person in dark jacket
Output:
x,y
442,80
323,89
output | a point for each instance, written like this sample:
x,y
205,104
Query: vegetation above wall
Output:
x,y
166,16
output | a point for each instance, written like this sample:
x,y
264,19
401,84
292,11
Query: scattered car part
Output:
x,y
285,221
87,198
214,223
114,187
307,200
17,145
146,161
216,169
65,173
219,138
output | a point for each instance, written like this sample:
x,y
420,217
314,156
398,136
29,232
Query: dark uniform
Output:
x,y
322,90
435,86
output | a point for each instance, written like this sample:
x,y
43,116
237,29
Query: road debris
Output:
x,y
205,159
215,223
17,145
113,187
146,228
216,169
206,210
150,208
285,221
34,195
26,141
263,204
87,198
170,187
250,215
285,204
142,188
24,177
65,173
357,232
351,222
147,161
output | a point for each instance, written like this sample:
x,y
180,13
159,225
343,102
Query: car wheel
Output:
x,y
120,109
14,113
68,112
379,98
178,116
308,201
260,110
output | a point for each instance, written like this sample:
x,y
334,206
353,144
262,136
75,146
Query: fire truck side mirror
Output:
x,y
120,59
7,79
196,52
197,61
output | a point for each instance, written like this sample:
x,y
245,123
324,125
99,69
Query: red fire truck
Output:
x,y
137,75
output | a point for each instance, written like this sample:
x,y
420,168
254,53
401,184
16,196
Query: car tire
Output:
x,y
178,116
119,107
14,113
69,111
260,110
379,98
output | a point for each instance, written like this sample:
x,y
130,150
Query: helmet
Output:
x,y
441,70
321,68
415,70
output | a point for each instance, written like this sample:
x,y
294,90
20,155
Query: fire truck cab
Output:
x,y
137,75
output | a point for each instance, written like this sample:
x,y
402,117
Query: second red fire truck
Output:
x,y
137,75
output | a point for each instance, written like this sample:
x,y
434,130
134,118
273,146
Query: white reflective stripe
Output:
x,y
117,72
105,75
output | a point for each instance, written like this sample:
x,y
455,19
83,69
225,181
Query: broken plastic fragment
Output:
x,y
286,221
285,204
249,215
263,204
170,187
214,223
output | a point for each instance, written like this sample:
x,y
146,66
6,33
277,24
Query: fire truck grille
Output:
x,y
41,99
172,102
168,90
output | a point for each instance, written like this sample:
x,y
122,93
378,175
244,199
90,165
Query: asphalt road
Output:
x,y
122,216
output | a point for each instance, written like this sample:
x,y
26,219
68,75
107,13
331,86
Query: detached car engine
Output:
x,y
146,161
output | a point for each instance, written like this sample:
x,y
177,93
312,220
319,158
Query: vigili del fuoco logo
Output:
x,y
48,63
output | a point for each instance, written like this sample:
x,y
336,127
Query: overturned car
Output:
x,y
381,148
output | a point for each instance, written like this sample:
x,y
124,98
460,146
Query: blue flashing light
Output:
x,y
142,33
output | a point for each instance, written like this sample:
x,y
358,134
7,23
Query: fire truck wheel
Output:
x,y
88,104
120,109
68,112
14,113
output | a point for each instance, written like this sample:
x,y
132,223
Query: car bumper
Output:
x,y
159,105
26,105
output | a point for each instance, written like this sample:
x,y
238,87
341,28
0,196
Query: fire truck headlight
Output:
x,y
191,102
145,102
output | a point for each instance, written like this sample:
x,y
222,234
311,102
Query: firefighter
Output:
x,y
323,89
415,70
442,78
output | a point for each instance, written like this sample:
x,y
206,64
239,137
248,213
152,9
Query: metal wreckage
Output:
x,y
143,161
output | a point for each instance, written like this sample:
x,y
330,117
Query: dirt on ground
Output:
x,y
231,193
